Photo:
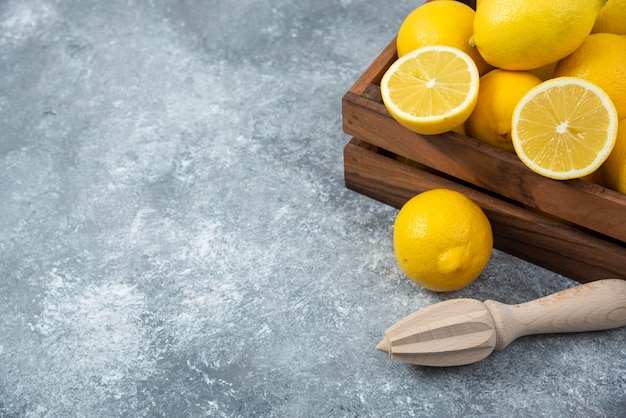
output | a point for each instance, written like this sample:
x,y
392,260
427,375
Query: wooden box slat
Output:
x,y
518,231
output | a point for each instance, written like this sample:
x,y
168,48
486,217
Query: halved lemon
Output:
x,y
431,90
564,128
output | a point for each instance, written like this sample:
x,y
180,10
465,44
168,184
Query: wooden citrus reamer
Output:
x,y
464,331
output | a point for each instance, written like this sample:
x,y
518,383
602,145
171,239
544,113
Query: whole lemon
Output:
x,y
499,92
443,22
527,34
442,240
613,171
545,72
612,18
601,59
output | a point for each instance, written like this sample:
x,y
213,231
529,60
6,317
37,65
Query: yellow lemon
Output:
x,y
612,18
459,130
613,171
443,22
431,90
564,128
545,72
442,240
601,59
527,34
499,92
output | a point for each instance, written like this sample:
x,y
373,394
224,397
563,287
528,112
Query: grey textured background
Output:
x,y
176,238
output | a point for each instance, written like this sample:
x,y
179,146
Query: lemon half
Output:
x,y
432,89
564,128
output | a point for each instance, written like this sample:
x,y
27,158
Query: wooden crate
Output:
x,y
572,227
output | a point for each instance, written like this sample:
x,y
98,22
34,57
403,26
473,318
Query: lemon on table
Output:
x,y
601,59
564,128
442,240
431,90
613,171
443,22
611,18
499,92
527,34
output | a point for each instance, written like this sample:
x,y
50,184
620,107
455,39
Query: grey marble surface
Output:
x,y
176,238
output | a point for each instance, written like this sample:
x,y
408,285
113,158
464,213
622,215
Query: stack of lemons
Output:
x,y
545,79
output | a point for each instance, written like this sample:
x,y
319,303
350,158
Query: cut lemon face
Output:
x,y
431,90
564,128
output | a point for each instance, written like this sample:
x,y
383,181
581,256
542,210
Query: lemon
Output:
x,y
612,18
564,128
499,92
613,171
545,72
601,59
443,22
442,240
527,34
431,90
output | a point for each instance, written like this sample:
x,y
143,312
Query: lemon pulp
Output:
x,y
564,128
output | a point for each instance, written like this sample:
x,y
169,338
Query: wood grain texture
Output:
x,y
543,240
590,307
463,331
450,333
